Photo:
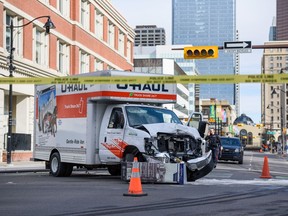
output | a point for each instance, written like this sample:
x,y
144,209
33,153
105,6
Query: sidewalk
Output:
x,y
22,166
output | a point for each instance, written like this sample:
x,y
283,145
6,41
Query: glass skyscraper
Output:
x,y
208,22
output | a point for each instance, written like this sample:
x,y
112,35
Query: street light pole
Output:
x,y
282,127
283,104
215,117
48,25
11,69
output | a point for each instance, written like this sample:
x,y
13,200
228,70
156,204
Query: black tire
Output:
x,y
241,160
57,168
131,152
69,169
114,170
128,157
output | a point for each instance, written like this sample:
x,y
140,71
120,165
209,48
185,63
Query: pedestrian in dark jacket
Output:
x,y
214,144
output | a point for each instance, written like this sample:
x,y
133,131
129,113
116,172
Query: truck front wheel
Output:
x,y
57,168
131,152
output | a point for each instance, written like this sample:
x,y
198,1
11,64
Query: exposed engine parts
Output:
x,y
178,147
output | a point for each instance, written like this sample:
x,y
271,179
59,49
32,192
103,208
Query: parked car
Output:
x,y
232,149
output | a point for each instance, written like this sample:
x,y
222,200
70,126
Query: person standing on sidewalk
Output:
x,y
214,144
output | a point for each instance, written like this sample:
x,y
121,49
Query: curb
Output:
x,y
23,170
18,167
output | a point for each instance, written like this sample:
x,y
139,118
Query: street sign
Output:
x,y
238,46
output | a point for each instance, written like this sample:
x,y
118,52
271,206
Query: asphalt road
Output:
x,y
230,189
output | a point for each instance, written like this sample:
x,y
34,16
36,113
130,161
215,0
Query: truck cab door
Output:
x,y
111,139
196,120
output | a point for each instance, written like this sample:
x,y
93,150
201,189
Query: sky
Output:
x,y
253,20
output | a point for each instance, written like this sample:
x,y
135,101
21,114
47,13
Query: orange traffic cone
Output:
x,y
265,170
135,187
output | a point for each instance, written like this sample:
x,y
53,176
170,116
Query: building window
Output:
x,y
129,51
99,65
63,57
85,21
41,55
64,7
84,62
45,1
109,67
271,66
250,138
111,31
121,43
99,24
17,34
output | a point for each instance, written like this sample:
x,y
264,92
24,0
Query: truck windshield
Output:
x,y
138,115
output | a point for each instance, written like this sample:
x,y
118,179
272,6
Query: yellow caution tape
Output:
x,y
183,79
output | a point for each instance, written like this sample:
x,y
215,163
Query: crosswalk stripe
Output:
x,y
268,182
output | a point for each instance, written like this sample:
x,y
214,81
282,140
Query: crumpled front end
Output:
x,y
177,147
183,144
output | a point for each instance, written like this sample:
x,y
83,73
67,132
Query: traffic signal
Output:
x,y
259,126
200,52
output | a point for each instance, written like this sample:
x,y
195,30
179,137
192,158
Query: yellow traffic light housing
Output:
x,y
201,52
259,126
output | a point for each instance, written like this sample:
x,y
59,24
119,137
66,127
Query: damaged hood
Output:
x,y
171,128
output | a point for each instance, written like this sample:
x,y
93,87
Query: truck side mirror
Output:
x,y
203,128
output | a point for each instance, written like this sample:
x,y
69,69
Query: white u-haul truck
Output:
x,y
106,125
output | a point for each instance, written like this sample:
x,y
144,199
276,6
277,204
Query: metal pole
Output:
x,y
48,25
282,138
218,124
282,119
265,46
215,118
11,68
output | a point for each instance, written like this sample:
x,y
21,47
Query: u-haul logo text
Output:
x,y
73,88
143,87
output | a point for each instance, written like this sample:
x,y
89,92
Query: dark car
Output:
x,y
232,149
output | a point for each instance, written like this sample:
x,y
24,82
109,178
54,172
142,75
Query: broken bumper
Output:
x,y
200,162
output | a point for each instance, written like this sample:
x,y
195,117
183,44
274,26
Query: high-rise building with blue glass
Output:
x,y
208,22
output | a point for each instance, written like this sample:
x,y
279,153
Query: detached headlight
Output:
x,y
237,150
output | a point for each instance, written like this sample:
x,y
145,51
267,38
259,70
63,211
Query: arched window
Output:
x,y
243,137
250,138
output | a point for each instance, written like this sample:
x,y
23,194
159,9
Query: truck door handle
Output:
x,y
105,139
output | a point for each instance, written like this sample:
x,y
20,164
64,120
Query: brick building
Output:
x,y
90,35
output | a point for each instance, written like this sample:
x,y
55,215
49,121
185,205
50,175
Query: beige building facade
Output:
x,y
274,97
227,123
222,111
